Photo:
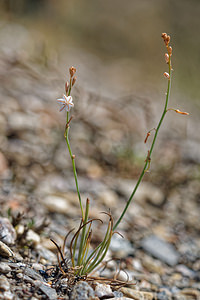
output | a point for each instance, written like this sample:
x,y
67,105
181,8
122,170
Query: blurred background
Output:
x,y
115,45
119,55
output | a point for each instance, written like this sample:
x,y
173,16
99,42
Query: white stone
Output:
x,y
56,204
33,237
103,290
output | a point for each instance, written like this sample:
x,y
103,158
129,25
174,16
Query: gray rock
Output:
x,y
139,295
7,231
33,237
103,291
185,271
180,297
4,284
46,253
121,246
5,293
118,294
82,291
56,204
5,251
32,274
122,298
4,268
47,290
160,249
21,121
164,295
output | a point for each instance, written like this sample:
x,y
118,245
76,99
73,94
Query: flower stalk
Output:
x,y
146,167
67,106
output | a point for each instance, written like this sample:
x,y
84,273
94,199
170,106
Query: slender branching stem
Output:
x,y
151,148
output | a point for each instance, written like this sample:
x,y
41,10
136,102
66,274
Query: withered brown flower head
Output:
x,y
166,39
72,71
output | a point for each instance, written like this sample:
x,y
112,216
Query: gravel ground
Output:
x,y
160,251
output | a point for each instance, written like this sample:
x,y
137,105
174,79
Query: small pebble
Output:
x,y
37,267
191,293
185,271
137,295
7,231
121,246
56,204
7,296
4,284
164,295
4,268
103,291
82,291
5,251
32,237
152,265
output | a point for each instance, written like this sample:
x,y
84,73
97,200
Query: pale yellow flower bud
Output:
x,y
166,75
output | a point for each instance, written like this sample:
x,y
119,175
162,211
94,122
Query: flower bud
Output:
x,y
148,134
72,71
74,80
166,75
170,50
164,35
166,58
181,112
66,87
167,40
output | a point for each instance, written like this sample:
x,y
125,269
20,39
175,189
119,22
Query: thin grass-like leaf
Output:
x,y
104,248
65,240
83,232
86,244
75,237
95,255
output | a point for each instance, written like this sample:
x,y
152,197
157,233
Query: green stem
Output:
x,y
83,233
73,164
151,149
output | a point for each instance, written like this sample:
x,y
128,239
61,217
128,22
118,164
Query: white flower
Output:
x,y
66,102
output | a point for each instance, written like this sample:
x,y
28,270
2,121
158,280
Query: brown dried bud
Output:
x,y
73,156
148,134
74,80
164,35
166,75
166,58
181,112
72,71
167,40
66,87
170,50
